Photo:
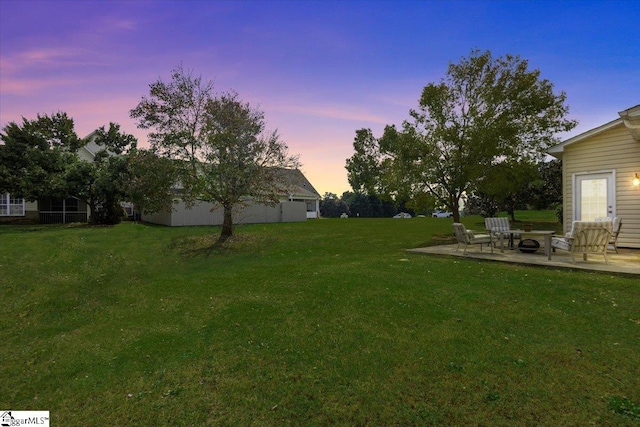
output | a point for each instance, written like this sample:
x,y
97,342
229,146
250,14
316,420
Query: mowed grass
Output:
x,y
322,323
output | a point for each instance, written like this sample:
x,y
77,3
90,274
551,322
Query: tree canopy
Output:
x,y
331,206
151,181
486,111
225,154
35,156
39,160
101,182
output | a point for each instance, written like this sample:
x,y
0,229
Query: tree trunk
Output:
x,y
455,209
227,224
92,209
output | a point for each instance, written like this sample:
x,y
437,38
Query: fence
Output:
x,y
57,217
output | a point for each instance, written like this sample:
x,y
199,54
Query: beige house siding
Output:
x,y
31,210
202,214
300,203
31,206
612,150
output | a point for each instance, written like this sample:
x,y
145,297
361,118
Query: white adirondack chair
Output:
x,y
585,237
467,237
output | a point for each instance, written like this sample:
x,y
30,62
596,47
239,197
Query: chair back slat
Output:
x,y
497,224
591,236
460,232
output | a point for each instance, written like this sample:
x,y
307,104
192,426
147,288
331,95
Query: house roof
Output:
x,y
629,117
91,147
298,184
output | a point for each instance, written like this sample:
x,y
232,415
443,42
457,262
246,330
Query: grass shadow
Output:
x,y
30,228
441,239
207,245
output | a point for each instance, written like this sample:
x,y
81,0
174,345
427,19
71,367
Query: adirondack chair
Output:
x,y
585,237
467,237
617,225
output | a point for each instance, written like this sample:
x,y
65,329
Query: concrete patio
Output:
x,y
626,262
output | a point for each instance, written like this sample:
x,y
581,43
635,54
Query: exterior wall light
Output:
x,y
636,180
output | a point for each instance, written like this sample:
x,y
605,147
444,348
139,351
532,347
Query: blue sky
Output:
x,y
319,70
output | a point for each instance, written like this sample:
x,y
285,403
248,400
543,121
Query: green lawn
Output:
x,y
322,323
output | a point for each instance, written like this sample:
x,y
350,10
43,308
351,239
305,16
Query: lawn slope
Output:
x,y
327,322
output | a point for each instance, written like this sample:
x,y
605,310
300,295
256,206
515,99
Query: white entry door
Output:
x,y
594,196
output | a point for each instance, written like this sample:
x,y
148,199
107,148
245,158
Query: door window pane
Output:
x,y
593,196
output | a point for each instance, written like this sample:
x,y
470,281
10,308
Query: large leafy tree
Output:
x,y
239,161
376,169
365,166
35,156
485,111
225,154
549,193
101,183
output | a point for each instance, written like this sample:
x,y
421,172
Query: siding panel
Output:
x,y
204,214
615,150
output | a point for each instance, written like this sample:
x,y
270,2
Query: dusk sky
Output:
x,y
319,70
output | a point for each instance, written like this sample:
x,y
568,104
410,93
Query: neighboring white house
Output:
x,y
599,171
301,203
301,190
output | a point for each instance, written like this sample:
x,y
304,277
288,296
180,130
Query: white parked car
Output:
x,y
402,215
441,214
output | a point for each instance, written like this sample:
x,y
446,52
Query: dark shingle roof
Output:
x,y
297,183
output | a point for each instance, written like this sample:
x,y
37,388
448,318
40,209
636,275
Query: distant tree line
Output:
x,y
533,186
356,205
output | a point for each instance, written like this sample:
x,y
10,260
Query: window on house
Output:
x,y
11,206
71,205
56,205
